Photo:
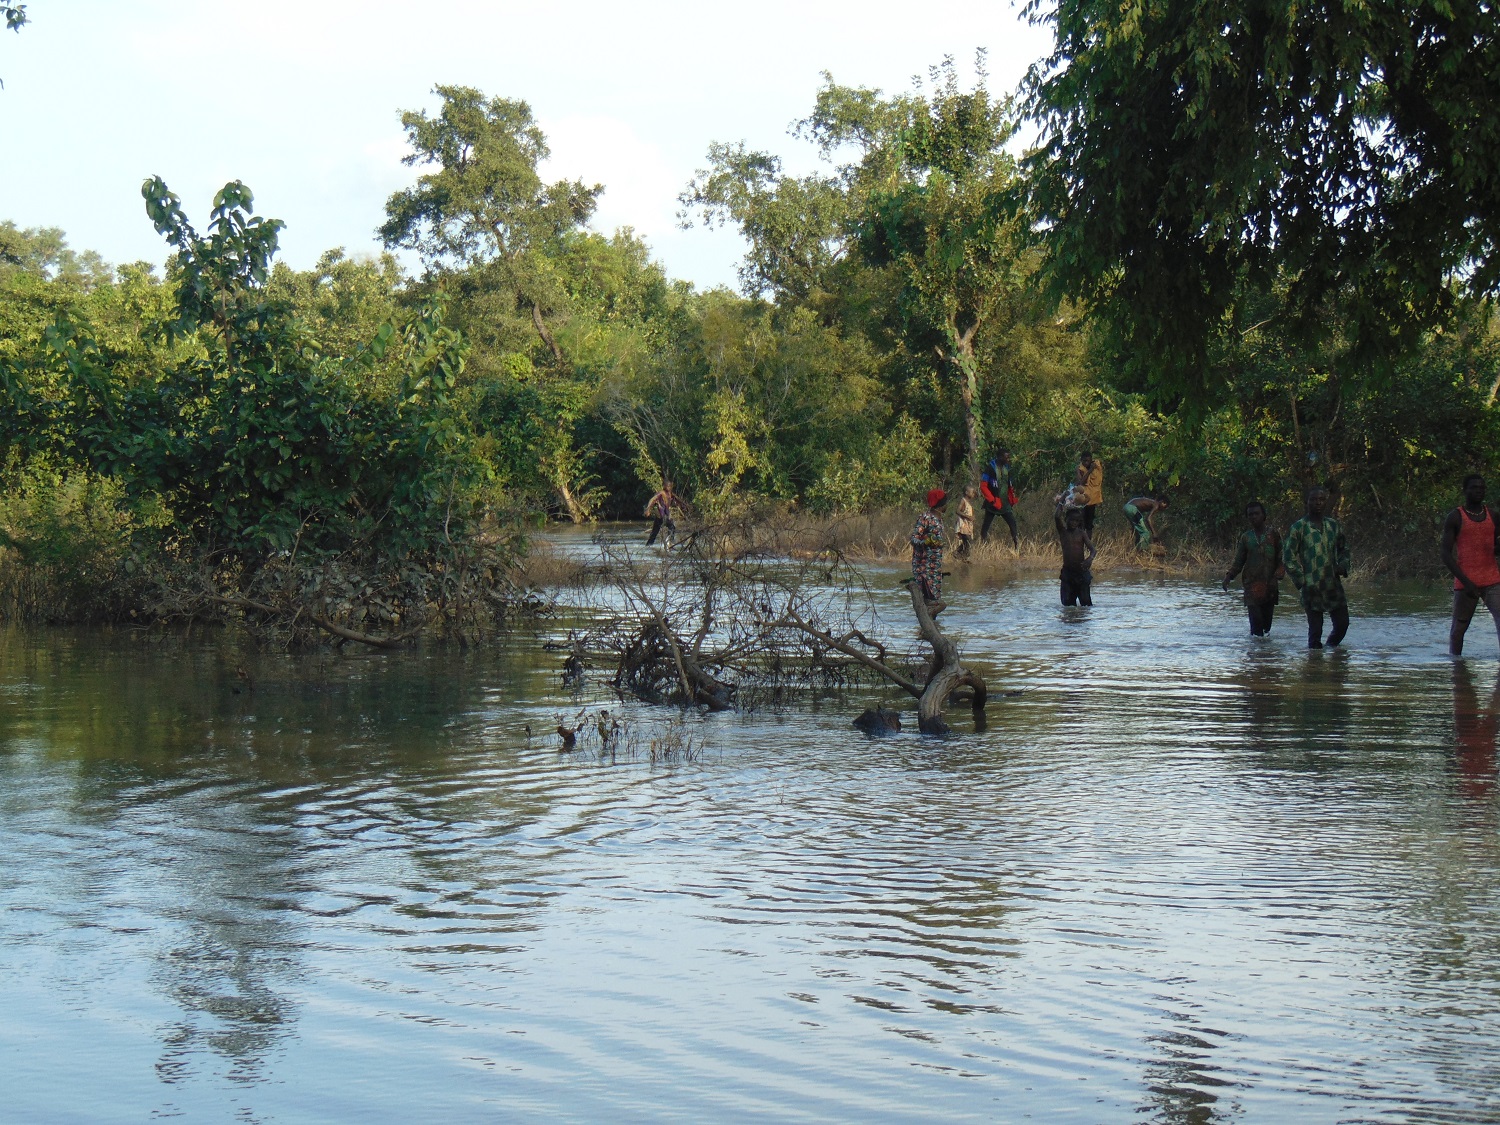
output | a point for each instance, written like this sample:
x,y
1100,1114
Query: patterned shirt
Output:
x,y
927,551
1315,556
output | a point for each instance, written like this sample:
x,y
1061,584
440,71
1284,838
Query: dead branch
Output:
x,y
948,675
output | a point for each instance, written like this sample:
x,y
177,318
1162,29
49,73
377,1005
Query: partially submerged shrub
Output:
x,y
72,545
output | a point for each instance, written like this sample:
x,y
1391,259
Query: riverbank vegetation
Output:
x,y
358,451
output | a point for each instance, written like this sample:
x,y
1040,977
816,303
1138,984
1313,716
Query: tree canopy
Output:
x,y
1193,151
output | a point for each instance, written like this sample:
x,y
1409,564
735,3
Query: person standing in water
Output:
x,y
1316,557
659,508
1076,580
963,531
1471,542
927,551
999,496
1139,510
1258,560
1091,481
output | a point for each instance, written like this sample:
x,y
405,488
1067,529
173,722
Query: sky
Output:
x,y
302,101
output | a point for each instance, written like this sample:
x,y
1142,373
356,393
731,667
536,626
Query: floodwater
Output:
x,y
1182,877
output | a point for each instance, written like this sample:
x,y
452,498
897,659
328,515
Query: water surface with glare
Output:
x,y
1180,877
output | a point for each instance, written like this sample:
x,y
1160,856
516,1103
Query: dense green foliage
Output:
x,y
354,440
1197,154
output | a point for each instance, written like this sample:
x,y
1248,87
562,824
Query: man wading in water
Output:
x,y
1316,558
659,508
1471,542
1258,559
1077,575
927,552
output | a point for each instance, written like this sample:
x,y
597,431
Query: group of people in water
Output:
x,y
1313,553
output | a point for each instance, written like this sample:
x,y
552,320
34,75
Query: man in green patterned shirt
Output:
x,y
1317,557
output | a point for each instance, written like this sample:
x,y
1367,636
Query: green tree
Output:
x,y
935,215
1195,153
485,204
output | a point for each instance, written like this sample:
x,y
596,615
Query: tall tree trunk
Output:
x,y
968,374
575,509
545,333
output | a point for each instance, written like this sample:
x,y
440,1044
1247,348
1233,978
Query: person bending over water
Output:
x,y
1077,577
927,551
1139,510
1316,557
1471,542
1257,560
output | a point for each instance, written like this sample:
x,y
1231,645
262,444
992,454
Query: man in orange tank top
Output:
x,y
1471,542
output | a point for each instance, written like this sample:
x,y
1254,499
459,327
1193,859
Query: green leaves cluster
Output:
x,y
1199,153
255,436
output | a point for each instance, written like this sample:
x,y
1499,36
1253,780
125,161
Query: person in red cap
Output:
x,y
927,551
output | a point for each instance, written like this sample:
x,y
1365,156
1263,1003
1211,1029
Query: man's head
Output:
x,y
1317,501
1073,519
1255,512
1003,457
1162,502
666,486
1088,457
1473,490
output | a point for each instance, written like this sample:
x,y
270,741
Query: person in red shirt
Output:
x,y
1471,542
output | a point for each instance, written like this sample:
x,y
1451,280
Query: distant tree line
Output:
x,y
1225,302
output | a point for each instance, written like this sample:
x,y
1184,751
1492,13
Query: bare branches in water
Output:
x,y
733,610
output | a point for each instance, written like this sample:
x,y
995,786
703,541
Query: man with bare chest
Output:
x,y
1078,555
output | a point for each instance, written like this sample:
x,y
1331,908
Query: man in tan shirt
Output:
x,y
1091,483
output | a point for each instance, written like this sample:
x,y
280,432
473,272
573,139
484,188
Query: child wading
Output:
x,y
1471,542
1258,561
927,551
1077,577
1317,557
963,531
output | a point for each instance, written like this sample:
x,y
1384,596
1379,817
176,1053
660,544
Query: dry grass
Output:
x,y
543,568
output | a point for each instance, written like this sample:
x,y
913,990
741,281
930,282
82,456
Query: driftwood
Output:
x,y
948,673
321,622
684,626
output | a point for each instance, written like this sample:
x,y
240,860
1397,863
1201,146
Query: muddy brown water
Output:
x,y
1182,876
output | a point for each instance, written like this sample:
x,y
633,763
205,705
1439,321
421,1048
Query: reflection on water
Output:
x,y
1183,875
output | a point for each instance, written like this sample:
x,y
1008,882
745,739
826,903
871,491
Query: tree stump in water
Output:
x,y
948,674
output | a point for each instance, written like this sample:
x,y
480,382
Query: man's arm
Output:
x,y
1450,556
1291,556
1341,553
1240,557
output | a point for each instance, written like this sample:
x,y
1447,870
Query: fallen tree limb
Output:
x,y
321,622
948,675
838,645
